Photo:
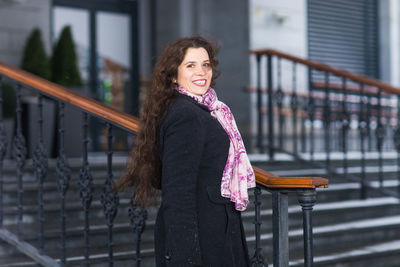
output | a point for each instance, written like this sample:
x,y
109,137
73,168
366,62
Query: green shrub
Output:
x,y
9,101
34,58
64,62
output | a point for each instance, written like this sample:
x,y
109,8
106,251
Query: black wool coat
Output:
x,y
195,225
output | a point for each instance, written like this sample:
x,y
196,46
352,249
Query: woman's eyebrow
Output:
x,y
207,60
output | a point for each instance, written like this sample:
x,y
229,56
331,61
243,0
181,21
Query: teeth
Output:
x,y
202,82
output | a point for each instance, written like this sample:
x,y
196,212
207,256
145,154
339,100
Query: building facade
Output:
x,y
360,36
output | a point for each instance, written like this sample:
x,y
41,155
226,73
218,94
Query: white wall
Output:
x,y
16,23
279,25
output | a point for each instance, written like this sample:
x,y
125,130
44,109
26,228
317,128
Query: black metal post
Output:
x,y
380,135
303,123
138,217
64,175
259,107
270,109
368,122
294,102
109,200
327,121
3,149
19,153
396,141
345,125
280,228
258,259
311,111
86,186
307,200
362,125
279,95
40,164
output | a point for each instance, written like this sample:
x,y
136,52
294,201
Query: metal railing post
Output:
x,y
138,217
3,149
86,188
40,163
280,229
109,199
270,109
258,259
307,200
19,154
63,177
259,106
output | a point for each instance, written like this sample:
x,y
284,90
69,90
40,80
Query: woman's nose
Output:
x,y
200,70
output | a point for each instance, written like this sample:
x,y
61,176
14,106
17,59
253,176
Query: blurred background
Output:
x,y
297,117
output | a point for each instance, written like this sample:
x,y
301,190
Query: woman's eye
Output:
x,y
190,66
206,65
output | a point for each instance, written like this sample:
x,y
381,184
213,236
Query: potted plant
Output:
x,y
64,61
34,59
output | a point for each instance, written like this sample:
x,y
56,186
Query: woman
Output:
x,y
189,147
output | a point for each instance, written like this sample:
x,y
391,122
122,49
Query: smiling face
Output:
x,y
195,71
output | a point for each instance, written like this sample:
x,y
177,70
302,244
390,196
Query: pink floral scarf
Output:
x,y
238,174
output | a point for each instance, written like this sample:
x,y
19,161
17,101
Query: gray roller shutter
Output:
x,y
344,34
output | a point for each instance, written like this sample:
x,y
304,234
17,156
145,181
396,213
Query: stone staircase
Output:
x,y
347,231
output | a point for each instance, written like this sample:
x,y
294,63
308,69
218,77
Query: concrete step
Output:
x,y
342,222
337,238
323,214
326,213
384,254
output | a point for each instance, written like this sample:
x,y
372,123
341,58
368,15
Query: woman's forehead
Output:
x,y
196,54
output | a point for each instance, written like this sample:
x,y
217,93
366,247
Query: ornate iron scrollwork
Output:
x,y
257,260
86,187
64,173
109,199
40,163
19,149
138,217
19,154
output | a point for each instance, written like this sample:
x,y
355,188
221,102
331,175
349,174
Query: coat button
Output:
x,y
167,257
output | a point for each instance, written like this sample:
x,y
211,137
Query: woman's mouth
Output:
x,y
201,82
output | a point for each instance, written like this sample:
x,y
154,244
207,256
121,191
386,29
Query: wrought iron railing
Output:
x,y
316,112
112,120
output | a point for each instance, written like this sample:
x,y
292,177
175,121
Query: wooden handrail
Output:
x,y
271,180
129,122
323,67
54,90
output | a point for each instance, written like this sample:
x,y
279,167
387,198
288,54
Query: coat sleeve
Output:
x,y
183,141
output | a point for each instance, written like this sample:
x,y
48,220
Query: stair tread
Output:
x,y
379,248
329,207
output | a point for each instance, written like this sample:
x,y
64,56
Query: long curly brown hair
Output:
x,y
143,172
